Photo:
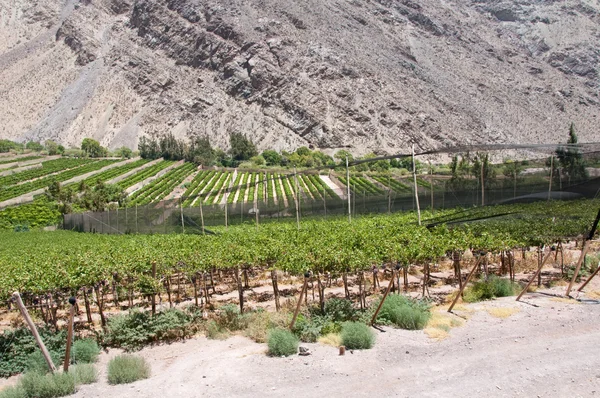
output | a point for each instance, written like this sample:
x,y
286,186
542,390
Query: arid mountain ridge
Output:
x,y
366,75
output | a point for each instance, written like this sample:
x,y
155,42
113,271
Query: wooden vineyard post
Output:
x,y
88,311
589,279
33,329
240,289
154,293
584,249
535,274
550,182
462,288
275,289
72,301
306,276
100,302
387,291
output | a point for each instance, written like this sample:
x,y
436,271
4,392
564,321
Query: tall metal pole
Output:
x,y
348,189
431,185
551,172
181,216
482,187
416,186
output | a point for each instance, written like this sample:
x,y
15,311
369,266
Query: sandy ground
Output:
x,y
547,349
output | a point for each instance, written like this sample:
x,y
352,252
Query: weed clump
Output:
x,y
489,289
124,369
137,329
403,312
85,351
357,336
48,385
84,373
282,342
36,363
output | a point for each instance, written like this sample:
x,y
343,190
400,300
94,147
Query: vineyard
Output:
x,y
65,263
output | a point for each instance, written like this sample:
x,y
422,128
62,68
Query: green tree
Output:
x,y
51,147
271,157
124,152
258,160
571,159
482,163
34,146
242,148
200,151
92,148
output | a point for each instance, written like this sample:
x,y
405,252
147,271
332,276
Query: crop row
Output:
x,y
196,186
270,190
251,188
49,167
19,160
21,189
391,183
322,186
146,173
236,187
40,213
161,187
115,172
208,186
213,194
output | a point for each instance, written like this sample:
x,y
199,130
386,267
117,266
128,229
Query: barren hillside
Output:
x,y
369,75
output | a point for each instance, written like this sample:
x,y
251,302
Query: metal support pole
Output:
x,y
416,186
348,191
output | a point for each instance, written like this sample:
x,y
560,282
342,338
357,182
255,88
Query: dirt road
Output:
x,y
548,348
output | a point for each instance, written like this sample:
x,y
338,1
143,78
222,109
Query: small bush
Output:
x,y
127,369
49,385
13,392
84,373
260,322
230,318
332,339
340,310
357,336
137,329
36,362
17,345
282,342
215,332
85,351
489,289
403,312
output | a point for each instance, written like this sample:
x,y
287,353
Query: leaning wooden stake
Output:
x,y
589,279
387,291
72,301
306,275
33,329
584,249
462,288
535,275
586,246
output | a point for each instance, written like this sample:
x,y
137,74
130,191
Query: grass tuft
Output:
x,y
488,289
124,369
503,313
48,385
404,312
85,351
282,342
332,339
13,392
84,373
357,336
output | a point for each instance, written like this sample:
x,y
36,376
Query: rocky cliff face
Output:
x,y
369,75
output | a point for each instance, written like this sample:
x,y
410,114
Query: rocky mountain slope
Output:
x,y
369,75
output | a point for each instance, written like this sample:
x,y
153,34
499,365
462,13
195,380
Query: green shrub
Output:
x,y
37,363
85,351
13,392
229,317
260,322
403,312
137,329
127,369
215,332
282,342
49,385
357,336
340,310
17,345
84,373
489,289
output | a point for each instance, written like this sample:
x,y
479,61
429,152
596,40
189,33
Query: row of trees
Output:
x,y
89,147
96,197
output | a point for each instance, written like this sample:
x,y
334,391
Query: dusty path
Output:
x,y
548,349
